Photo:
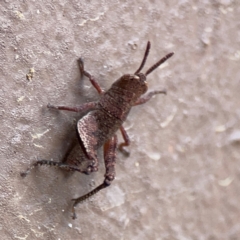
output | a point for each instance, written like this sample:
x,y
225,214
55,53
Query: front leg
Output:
x,y
148,96
109,160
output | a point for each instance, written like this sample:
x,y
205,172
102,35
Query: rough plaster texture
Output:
x,y
182,178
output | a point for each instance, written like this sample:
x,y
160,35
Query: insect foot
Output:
x,y
100,121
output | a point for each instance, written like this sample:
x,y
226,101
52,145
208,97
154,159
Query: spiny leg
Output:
x,y
80,109
52,163
110,160
89,76
125,143
148,96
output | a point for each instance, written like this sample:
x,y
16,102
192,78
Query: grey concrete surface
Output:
x,y
182,179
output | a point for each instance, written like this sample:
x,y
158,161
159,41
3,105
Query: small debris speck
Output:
x,y
226,182
136,164
220,128
30,74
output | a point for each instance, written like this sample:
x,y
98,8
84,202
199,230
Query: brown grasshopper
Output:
x,y
102,119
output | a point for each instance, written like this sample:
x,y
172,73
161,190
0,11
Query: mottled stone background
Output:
x,y
182,179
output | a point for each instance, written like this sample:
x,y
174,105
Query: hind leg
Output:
x,y
60,165
109,160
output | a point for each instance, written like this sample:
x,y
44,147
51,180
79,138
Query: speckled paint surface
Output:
x,y
182,178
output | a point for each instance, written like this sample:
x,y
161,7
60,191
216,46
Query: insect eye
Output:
x,y
140,77
135,77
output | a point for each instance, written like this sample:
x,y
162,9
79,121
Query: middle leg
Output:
x,y
126,142
80,109
89,76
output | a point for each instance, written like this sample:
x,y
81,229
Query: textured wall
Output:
x,y
181,180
